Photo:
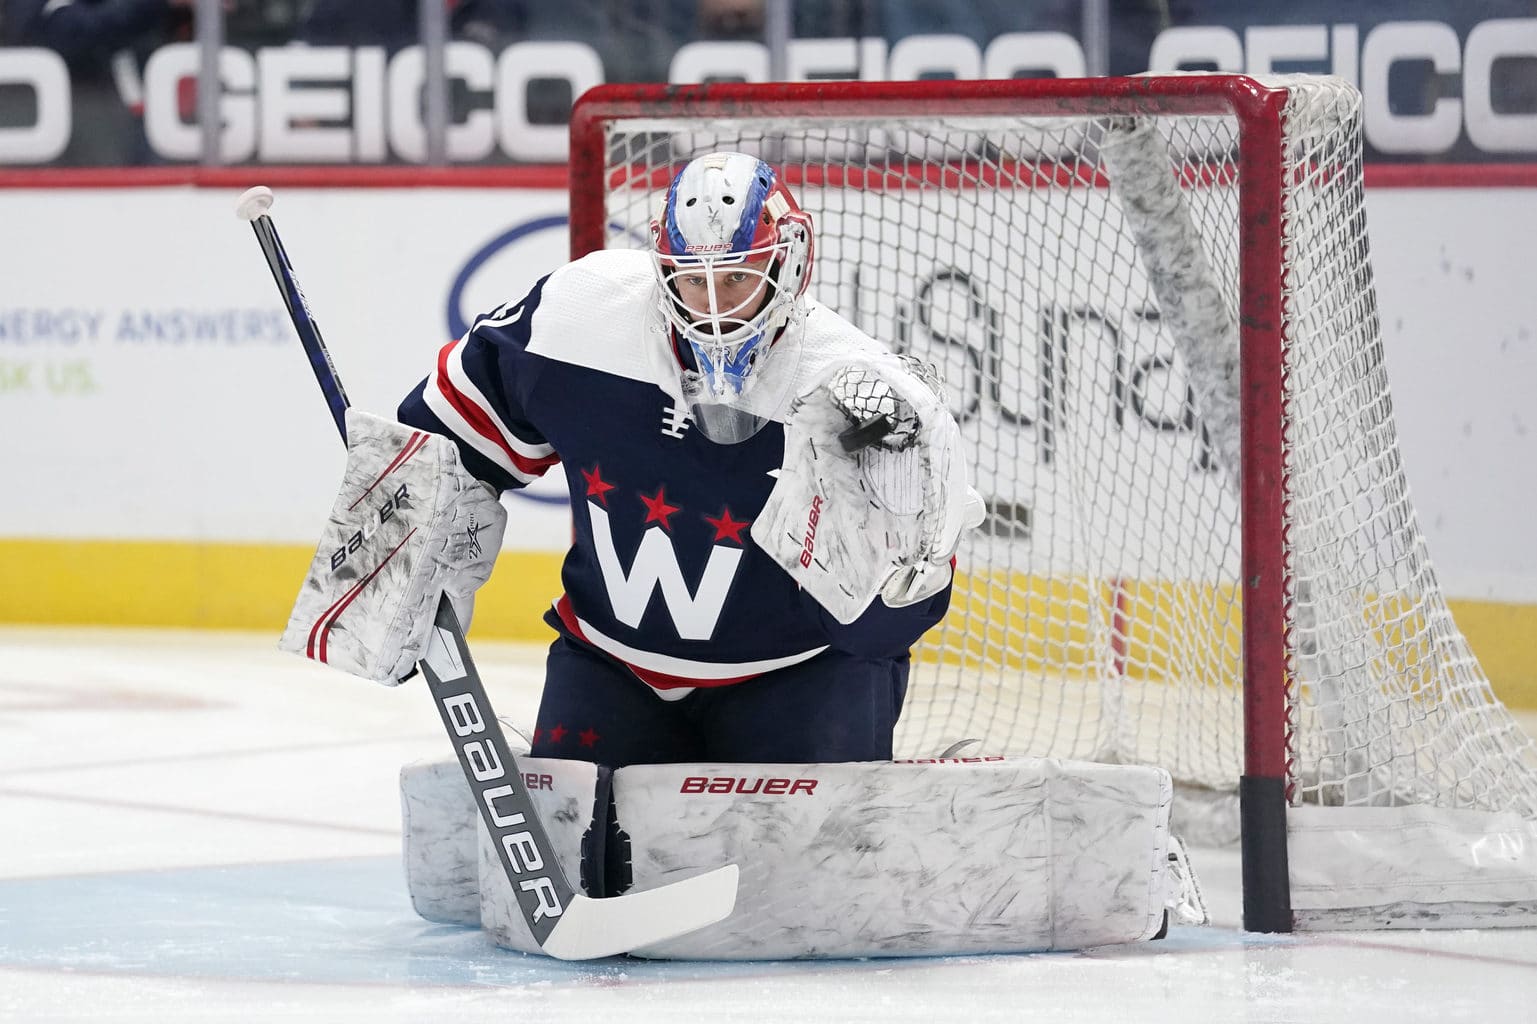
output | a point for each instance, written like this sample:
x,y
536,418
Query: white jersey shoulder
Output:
x,y
822,340
600,312
830,340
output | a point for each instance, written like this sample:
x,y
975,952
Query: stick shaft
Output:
x,y
303,320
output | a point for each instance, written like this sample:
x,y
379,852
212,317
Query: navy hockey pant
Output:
x,y
835,707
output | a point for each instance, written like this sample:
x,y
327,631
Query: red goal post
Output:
x,y
1236,195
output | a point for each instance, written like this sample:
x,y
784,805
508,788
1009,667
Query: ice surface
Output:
x,y
194,827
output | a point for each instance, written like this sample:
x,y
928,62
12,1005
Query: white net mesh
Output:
x,y
1098,612
1392,706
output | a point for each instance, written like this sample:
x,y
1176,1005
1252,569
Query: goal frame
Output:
x,y
1257,109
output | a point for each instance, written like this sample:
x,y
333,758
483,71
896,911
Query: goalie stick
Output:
x,y
566,924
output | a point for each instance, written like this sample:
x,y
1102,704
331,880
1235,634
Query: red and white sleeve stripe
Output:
x,y
455,400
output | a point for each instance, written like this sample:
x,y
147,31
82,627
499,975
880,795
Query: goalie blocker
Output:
x,y
919,858
409,524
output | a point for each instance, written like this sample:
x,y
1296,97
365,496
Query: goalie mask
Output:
x,y
732,251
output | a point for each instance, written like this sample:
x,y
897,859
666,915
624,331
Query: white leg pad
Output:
x,y
438,831
951,856
453,873
976,855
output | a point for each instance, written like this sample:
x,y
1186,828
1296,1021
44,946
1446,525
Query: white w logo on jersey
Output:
x,y
656,563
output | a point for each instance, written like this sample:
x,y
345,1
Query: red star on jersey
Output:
x,y
588,736
557,734
725,526
657,509
597,487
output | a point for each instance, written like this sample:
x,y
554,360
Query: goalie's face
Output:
x,y
718,296
723,304
732,254
723,308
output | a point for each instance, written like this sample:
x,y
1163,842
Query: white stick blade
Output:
x,y
253,202
589,928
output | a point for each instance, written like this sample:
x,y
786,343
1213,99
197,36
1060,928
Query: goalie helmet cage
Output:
x,y
1152,301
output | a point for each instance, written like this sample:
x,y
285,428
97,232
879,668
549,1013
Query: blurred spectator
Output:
x,y
981,20
729,19
492,23
637,38
105,44
395,24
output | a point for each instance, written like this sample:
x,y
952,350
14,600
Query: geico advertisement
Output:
x,y
1430,86
151,386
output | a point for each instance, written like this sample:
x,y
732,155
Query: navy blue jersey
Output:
x,y
662,573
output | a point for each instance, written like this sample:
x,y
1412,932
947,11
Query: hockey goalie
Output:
x,y
766,506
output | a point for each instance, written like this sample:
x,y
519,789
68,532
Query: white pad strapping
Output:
x,y
409,524
976,855
845,524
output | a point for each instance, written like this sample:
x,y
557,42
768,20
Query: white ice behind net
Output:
x,y
1098,613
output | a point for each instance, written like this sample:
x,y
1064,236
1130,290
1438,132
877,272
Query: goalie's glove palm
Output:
x,y
911,466
872,497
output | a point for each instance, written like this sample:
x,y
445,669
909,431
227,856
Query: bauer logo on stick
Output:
x,y
509,827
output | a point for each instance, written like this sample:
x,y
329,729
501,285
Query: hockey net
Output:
x,y
1079,266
